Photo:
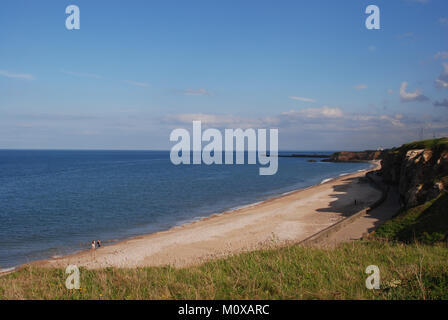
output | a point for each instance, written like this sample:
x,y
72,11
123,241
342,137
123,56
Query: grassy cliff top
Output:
x,y
441,143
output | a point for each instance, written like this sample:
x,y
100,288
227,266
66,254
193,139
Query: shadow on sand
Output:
x,y
346,202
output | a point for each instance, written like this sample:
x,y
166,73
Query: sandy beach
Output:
x,y
289,218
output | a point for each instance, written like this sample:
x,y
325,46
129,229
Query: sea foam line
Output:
x,y
326,180
7,270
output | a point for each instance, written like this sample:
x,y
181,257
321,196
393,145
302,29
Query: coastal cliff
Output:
x,y
419,169
347,156
418,173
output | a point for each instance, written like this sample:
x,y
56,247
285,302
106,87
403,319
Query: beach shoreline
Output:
x,y
80,255
217,235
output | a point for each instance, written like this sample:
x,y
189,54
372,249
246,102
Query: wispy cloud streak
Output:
x,y
22,76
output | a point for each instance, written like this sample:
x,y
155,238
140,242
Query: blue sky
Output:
x,y
137,69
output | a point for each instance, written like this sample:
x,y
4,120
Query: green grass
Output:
x,y
427,223
441,143
407,272
436,145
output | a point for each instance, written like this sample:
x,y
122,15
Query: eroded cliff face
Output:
x,y
421,174
419,169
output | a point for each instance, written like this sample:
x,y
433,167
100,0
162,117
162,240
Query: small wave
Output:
x,y
189,221
245,206
326,180
7,270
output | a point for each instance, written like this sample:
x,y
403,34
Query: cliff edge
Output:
x,y
419,169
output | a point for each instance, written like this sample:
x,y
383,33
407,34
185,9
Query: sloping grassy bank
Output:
x,y
407,272
427,223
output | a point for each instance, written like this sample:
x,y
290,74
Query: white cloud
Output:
x,y
360,86
212,120
22,76
394,120
443,21
417,95
197,92
324,119
302,99
329,126
441,55
325,111
441,83
442,80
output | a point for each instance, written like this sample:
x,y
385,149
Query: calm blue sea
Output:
x,y
56,202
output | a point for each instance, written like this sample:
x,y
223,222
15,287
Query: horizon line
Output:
x,y
162,150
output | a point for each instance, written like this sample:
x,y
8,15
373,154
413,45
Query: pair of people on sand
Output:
x,y
96,244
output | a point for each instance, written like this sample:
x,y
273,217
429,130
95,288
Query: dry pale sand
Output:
x,y
286,219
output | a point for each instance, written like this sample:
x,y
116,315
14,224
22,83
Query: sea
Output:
x,y
54,203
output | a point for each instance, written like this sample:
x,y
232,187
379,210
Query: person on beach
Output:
x,y
93,247
98,242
